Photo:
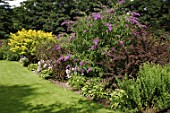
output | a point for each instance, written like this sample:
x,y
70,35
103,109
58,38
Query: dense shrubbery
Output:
x,y
150,91
101,47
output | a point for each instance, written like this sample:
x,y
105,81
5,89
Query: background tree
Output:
x,y
6,24
154,13
48,15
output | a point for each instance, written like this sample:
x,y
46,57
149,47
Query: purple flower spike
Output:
x,y
89,69
67,57
60,59
109,26
96,41
121,1
118,36
81,63
63,23
57,47
93,47
75,60
68,66
135,14
109,11
96,16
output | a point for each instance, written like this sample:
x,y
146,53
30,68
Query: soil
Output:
x,y
64,85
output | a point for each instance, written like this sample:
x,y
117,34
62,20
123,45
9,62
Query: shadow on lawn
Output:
x,y
11,101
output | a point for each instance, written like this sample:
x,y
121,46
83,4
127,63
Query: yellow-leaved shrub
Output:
x,y
25,42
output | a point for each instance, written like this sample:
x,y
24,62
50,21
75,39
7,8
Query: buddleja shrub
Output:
x,y
25,42
97,34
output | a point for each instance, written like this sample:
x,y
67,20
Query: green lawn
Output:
x,y
21,91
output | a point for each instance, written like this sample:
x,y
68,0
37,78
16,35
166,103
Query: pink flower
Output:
x,y
81,63
89,69
93,47
121,42
96,41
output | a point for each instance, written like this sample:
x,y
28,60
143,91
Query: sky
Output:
x,y
15,2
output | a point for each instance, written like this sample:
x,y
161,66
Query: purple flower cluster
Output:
x,y
109,11
95,41
57,47
96,16
109,26
67,57
60,59
89,69
135,14
81,63
121,1
134,20
67,22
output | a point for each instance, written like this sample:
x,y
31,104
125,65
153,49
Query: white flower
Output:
x,y
128,13
145,9
73,69
45,65
131,0
68,73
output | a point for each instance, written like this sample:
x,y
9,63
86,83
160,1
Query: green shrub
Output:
x,y
94,89
32,67
46,73
7,54
149,91
77,81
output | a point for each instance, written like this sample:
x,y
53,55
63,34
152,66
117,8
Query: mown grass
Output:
x,y
21,91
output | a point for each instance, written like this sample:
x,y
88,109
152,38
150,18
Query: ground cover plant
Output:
x,y
22,91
